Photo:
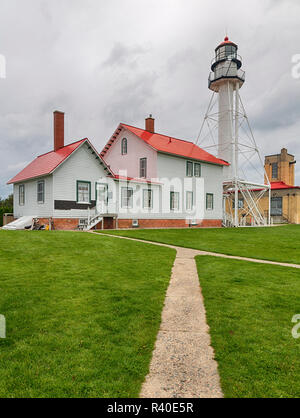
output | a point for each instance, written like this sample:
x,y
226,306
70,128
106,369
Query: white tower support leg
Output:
x,y
236,156
225,124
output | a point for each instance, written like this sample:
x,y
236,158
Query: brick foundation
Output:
x,y
169,223
69,224
65,224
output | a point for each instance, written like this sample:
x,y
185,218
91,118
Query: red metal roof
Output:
x,y
226,42
46,163
277,185
171,145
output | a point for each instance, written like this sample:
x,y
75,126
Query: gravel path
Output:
x,y
183,364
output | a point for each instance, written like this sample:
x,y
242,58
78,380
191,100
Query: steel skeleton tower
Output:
x,y
225,80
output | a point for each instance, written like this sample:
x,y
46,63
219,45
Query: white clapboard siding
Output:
x,y
81,165
31,206
171,167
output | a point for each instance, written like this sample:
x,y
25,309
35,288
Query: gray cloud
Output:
x,y
106,62
121,55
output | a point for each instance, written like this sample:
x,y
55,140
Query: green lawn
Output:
x,y
249,311
82,313
276,243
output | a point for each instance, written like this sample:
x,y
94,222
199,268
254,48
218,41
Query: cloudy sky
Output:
x,y
104,62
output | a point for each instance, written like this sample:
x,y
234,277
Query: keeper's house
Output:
x,y
140,179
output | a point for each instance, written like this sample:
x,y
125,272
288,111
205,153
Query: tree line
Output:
x,y
6,206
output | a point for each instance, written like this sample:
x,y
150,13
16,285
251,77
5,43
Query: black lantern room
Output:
x,y
226,51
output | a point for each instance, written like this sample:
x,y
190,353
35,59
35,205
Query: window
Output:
x,y
174,200
124,146
226,51
276,206
193,169
143,167
209,201
189,200
230,51
83,191
41,191
189,169
240,204
22,194
220,53
197,170
126,197
274,171
147,199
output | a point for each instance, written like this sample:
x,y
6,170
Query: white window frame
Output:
x,y
147,203
210,206
124,146
143,167
127,201
189,204
21,187
40,192
173,201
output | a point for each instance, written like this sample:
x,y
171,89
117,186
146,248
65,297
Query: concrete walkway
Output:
x,y
200,252
183,364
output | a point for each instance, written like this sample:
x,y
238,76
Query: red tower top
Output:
x,y
226,42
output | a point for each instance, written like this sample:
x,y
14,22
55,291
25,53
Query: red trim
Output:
x,y
134,180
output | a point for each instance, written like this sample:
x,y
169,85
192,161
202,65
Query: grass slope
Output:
x,y
277,243
249,311
82,313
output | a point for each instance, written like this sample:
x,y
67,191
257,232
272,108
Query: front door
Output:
x,y
108,222
276,206
101,197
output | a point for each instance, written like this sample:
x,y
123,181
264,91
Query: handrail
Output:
x,y
213,76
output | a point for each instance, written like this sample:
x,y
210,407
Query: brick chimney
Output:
x,y
59,130
149,124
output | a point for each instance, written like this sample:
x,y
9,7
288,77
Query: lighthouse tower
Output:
x,y
226,78
242,202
